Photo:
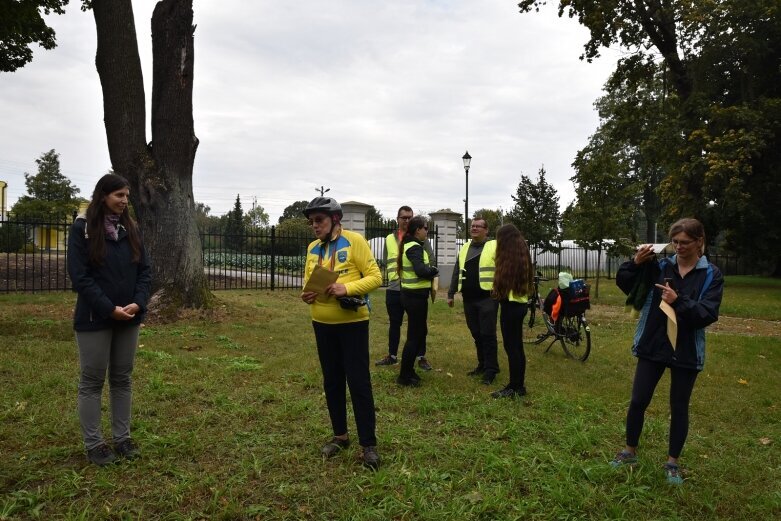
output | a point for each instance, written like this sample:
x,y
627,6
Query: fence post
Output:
x,y
273,258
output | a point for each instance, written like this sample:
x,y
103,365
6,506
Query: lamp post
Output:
x,y
322,190
467,161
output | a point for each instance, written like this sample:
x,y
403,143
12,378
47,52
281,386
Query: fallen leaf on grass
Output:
x,y
449,374
765,441
474,497
741,381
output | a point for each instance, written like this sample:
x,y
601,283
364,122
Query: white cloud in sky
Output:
x,y
376,100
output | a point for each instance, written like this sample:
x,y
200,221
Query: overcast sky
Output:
x,y
377,101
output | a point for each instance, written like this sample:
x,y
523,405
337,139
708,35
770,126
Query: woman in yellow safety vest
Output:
x,y
512,284
416,274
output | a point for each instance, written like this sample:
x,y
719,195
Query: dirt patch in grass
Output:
x,y
725,325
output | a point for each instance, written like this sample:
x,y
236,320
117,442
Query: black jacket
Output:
x,y
117,282
695,308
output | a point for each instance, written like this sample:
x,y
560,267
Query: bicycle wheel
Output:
x,y
577,337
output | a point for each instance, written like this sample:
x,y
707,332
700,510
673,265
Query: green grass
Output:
x,y
230,415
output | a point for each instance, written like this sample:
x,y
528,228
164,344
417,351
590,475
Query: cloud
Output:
x,y
376,100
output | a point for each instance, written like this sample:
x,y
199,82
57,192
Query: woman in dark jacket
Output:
x,y
416,273
679,297
109,269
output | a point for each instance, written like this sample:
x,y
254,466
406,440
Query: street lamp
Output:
x,y
467,160
322,190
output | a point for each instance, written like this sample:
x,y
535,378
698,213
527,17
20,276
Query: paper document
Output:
x,y
434,288
320,279
672,322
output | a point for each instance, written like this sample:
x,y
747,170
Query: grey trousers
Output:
x,y
111,350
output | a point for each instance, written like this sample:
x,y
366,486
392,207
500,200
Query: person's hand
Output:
x,y
668,294
450,302
644,254
336,289
309,296
119,313
434,271
132,309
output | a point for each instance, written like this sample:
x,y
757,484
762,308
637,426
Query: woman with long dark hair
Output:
x,y
109,269
512,281
416,273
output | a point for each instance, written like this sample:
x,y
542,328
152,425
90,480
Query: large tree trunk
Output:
x,y
160,173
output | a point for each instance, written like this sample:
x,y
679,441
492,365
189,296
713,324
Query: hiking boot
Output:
x,y
509,392
423,364
334,447
623,458
673,473
477,371
387,360
370,458
127,449
101,455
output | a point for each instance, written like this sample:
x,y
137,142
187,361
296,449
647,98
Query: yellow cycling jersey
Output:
x,y
350,256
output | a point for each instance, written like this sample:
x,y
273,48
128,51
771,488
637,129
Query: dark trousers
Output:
x,y
343,350
416,307
395,318
647,376
511,324
481,321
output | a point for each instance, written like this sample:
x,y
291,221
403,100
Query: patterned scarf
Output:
x,y
110,225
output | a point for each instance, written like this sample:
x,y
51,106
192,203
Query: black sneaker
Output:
x,y
101,455
334,447
387,360
127,449
477,371
423,364
412,381
371,460
488,378
509,392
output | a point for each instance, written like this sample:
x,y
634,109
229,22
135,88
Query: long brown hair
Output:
x,y
414,225
96,214
513,263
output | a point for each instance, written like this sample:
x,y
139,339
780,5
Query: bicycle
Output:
x,y
571,329
534,299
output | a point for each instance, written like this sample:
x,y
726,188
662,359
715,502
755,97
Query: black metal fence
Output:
x,y
33,257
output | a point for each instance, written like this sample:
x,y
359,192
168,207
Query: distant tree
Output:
x,y
293,235
536,212
256,217
21,25
235,231
50,195
373,215
602,214
206,222
493,218
293,211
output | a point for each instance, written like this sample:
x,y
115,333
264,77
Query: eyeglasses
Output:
x,y
316,220
478,226
677,242
405,217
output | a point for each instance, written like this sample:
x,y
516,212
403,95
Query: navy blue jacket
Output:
x,y
695,308
117,282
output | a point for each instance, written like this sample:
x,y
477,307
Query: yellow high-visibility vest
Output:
x,y
392,254
487,265
409,280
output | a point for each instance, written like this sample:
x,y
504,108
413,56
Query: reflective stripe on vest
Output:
x,y
487,265
409,280
392,254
